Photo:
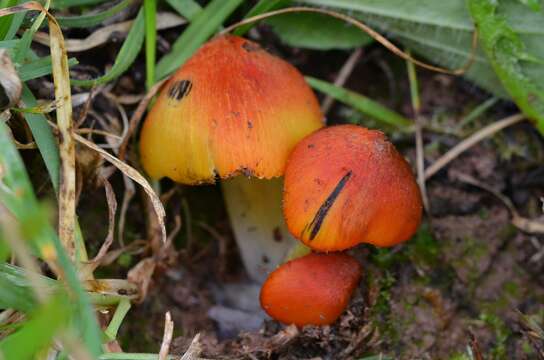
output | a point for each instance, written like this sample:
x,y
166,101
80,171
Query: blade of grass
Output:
x,y
117,319
60,4
38,332
84,21
8,44
39,68
202,27
26,40
17,194
150,10
128,53
189,9
360,103
5,22
261,7
43,135
477,112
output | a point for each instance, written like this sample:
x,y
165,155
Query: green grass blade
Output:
x,y
15,25
38,332
60,4
84,21
8,44
43,135
261,7
128,53
360,103
39,68
189,9
17,195
5,21
24,45
506,52
4,252
203,26
150,10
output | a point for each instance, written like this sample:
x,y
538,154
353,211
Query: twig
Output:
x,y
522,223
361,26
137,116
471,141
342,77
167,337
420,155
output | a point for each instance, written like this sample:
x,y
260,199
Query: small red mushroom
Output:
x,y
311,290
346,185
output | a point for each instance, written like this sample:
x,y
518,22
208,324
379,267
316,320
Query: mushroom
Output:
x,y
346,185
234,109
311,290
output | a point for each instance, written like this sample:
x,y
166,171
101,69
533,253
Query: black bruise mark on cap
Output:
x,y
319,217
250,47
180,89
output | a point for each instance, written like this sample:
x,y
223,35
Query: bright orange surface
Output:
x,y
242,112
346,185
311,290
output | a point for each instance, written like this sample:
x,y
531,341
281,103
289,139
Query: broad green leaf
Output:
x,y
360,103
38,332
189,9
128,53
261,7
202,27
441,31
507,52
317,31
83,21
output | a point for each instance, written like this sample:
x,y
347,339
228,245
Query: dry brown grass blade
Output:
x,y
522,223
365,28
167,337
134,175
107,33
471,141
112,209
61,78
342,77
137,117
9,79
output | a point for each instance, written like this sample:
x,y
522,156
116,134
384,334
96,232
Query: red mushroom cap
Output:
x,y
346,185
311,290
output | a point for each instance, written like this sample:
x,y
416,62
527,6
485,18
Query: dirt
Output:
x,y
462,282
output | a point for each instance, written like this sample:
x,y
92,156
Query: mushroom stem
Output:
x,y
255,212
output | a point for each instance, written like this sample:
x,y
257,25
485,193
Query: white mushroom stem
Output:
x,y
254,208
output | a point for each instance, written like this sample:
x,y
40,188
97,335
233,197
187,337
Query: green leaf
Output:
x,y
5,21
8,44
150,11
506,52
202,27
39,68
16,291
128,53
43,136
4,249
84,21
317,31
17,195
261,7
532,4
61,4
15,25
360,103
441,31
38,332
189,9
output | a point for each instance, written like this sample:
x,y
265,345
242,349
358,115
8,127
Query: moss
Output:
x,y
501,332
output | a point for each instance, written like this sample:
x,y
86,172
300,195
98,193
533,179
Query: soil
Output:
x,y
465,281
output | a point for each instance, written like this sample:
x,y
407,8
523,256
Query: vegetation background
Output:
x,y
76,78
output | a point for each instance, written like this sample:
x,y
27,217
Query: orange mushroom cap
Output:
x,y
231,108
311,290
346,185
